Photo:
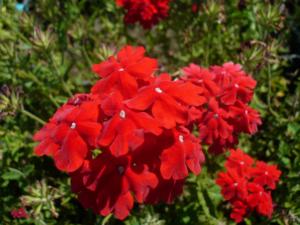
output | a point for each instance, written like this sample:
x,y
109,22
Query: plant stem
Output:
x,y
106,219
32,116
53,100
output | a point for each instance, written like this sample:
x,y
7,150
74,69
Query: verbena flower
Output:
x,y
19,213
143,125
146,12
246,184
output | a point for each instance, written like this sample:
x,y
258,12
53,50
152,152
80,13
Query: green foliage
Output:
x,y
46,55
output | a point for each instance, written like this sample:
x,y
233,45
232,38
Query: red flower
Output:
x,y
46,146
149,154
239,161
144,127
195,7
226,73
19,213
111,181
183,154
202,77
239,210
220,145
194,115
125,129
166,191
260,199
233,186
244,118
163,95
235,83
266,175
254,179
123,72
69,134
214,124
147,12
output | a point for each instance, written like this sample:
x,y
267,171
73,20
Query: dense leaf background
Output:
x,y
46,54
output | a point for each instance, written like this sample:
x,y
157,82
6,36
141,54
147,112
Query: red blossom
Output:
x,y
236,84
228,90
195,7
239,88
163,95
184,154
69,135
221,145
146,12
233,185
202,77
166,191
239,210
111,181
265,175
123,72
226,73
144,126
19,213
260,199
244,118
214,124
126,128
256,179
239,161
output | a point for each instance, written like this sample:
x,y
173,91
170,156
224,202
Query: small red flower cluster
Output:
x,y
147,12
195,7
227,90
19,213
247,185
143,125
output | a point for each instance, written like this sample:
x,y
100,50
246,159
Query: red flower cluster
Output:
x,y
19,213
247,185
143,126
195,7
147,12
228,90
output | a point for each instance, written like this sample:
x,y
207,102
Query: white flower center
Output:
x,y
216,115
121,69
242,163
236,85
158,90
246,111
134,164
181,138
73,125
266,173
121,169
76,101
260,193
122,114
235,184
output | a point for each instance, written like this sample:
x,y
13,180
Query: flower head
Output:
x,y
19,213
265,175
134,138
124,71
246,185
70,133
112,182
146,12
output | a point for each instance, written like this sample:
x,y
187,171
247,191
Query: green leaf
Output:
x,y
13,174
